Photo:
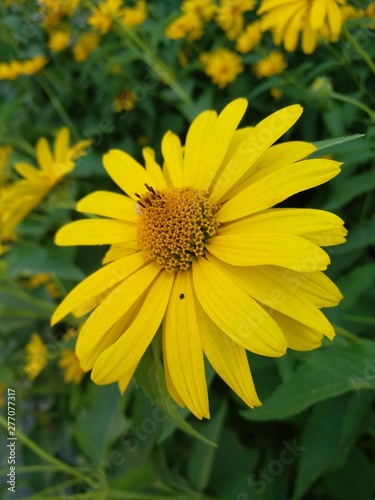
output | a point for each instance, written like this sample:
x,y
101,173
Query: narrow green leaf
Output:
x,y
335,142
202,456
326,373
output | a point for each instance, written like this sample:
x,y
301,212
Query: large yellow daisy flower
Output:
x,y
197,248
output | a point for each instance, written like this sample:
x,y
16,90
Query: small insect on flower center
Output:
x,y
174,225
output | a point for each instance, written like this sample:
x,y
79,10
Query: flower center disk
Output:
x,y
174,225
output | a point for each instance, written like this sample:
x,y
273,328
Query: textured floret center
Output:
x,y
174,225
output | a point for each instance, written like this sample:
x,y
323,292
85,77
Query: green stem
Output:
x,y
359,49
346,334
49,458
354,102
42,79
154,62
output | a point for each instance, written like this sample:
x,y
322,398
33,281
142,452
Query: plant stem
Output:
x,y
354,102
356,46
47,457
345,334
44,83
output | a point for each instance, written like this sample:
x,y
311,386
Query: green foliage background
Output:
x,y
314,435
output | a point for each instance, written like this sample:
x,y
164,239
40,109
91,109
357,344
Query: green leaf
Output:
x,y
350,189
150,377
326,373
101,421
337,422
334,142
355,283
30,259
202,456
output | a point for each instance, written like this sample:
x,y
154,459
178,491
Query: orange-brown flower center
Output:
x,y
174,225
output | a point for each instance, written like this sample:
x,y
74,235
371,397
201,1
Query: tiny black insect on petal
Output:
x,y
182,296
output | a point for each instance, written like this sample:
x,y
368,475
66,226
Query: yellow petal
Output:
x,y
113,308
309,39
172,154
275,158
235,312
266,286
182,346
317,14
126,352
118,251
61,146
153,168
334,18
218,141
128,174
268,189
259,140
228,359
125,380
263,247
316,287
321,227
97,232
168,380
44,157
98,282
298,336
28,171
196,147
108,204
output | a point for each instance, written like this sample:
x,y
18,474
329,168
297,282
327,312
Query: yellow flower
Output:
x,y
230,16
124,101
271,65
222,66
249,38
370,10
36,356
85,45
204,9
104,14
10,71
198,248
69,363
287,18
134,16
53,11
276,93
20,198
59,40
32,66
187,25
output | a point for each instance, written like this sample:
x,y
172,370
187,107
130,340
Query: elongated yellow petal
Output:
x,y
298,336
235,312
269,189
28,171
172,154
114,307
61,145
321,227
168,380
128,174
89,351
97,232
268,288
126,352
227,358
44,157
218,141
183,348
108,204
118,251
262,247
317,13
316,287
125,381
259,139
98,282
153,168
276,157
196,147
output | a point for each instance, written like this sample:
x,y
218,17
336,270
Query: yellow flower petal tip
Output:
x,y
200,249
